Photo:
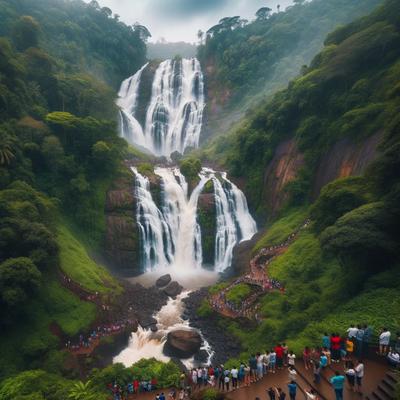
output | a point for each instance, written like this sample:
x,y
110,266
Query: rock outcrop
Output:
x,y
173,289
122,241
182,343
207,220
163,281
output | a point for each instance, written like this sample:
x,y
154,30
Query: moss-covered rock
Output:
x,y
206,218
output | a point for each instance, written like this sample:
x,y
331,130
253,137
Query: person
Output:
x,y
323,361
285,354
271,393
366,339
194,377
227,380
162,396
272,361
335,347
234,375
307,357
280,394
181,394
291,359
247,375
352,333
253,367
266,362
384,340
327,353
393,359
326,342
292,374
316,371
279,356
359,341
311,394
260,366
292,386
349,347
337,382
359,374
351,376
241,374
221,381
136,386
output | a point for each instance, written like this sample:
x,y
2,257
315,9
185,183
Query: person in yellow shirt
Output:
x,y
349,347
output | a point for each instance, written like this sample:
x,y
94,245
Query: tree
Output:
x,y
19,278
107,11
143,32
82,391
26,33
6,149
263,13
94,4
278,7
200,35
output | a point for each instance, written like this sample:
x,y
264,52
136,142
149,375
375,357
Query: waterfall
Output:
x,y
130,128
170,234
175,111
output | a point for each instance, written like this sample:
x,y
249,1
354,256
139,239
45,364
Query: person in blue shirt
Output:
x,y
326,341
337,382
292,386
323,360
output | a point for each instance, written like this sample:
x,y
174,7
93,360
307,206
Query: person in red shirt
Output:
x,y
335,347
136,386
279,350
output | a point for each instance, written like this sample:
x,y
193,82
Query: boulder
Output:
x,y
182,343
173,289
163,281
147,322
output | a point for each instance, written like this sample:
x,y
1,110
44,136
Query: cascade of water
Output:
x,y
130,128
175,112
170,234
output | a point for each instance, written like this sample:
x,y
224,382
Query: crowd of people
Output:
x,y
86,341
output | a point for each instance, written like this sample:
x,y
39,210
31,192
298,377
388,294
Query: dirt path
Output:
x,y
257,277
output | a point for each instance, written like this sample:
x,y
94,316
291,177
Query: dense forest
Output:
x,y
61,62
247,61
345,267
59,151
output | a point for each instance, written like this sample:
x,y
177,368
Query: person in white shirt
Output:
x,y
352,332
359,374
234,375
394,359
292,374
384,340
291,359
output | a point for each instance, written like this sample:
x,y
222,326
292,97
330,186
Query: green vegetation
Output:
x,y
60,63
38,384
238,293
344,268
280,230
190,168
76,263
218,287
204,310
252,60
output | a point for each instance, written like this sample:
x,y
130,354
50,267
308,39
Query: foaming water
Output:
x,y
175,111
148,344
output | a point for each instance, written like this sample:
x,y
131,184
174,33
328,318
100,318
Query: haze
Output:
x,y
179,20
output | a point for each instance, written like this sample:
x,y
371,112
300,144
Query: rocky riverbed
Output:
x,y
223,345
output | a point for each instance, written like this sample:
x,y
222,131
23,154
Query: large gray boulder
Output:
x,y
163,281
173,289
182,343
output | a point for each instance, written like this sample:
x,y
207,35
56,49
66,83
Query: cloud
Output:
x,y
179,20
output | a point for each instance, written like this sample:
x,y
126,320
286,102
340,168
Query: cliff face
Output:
x,y
344,158
206,219
283,169
122,237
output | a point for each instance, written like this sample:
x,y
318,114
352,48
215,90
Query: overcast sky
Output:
x,y
177,20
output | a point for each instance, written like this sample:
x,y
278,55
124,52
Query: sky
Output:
x,y
179,20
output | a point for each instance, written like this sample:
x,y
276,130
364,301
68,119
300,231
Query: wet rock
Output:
x,y
182,343
147,322
163,281
201,357
173,289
